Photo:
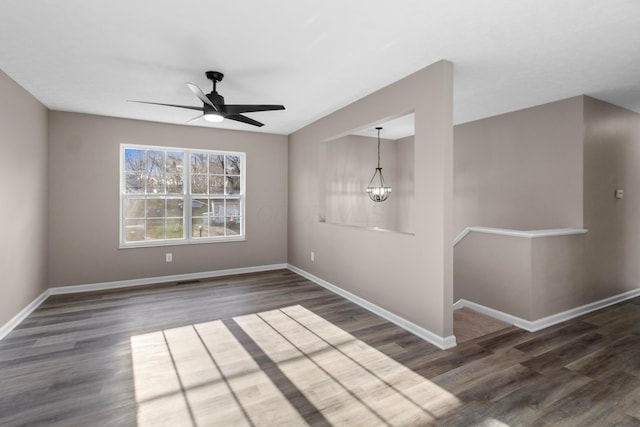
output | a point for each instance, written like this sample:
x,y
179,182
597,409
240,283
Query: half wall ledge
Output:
x,y
530,275
530,234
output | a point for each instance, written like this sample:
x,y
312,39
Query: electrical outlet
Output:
x,y
168,257
313,256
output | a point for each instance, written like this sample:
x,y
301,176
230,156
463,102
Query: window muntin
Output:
x,y
158,182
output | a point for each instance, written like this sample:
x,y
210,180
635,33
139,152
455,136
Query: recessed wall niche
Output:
x,y
347,164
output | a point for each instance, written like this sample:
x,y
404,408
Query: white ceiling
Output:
x,y
393,129
315,57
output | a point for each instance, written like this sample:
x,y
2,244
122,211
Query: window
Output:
x,y
177,196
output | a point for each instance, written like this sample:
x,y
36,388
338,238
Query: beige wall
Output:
x,y
403,185
409,275
558,275
84,200
555,165
23,245
611,161
530,278
520,170
346,166
494,271
568,271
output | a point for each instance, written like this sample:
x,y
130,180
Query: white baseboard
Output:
x,y
554,319
162,279
18,318
15,321
440,342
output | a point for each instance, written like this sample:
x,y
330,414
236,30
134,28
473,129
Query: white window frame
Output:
x,y
187,197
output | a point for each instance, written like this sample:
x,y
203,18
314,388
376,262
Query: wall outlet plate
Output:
x,y
619,193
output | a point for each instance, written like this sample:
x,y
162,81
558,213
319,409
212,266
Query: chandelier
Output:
x,y
376,189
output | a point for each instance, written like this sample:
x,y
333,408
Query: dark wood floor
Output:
x,y
70,363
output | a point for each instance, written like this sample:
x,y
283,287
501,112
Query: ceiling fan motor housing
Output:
x,y
216,99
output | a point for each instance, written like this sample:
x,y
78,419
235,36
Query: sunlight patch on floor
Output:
x,y
202,375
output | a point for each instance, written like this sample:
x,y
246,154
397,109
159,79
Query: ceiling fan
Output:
x,y
213,107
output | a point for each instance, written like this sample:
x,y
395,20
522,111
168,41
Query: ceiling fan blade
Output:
x,y
243,119
194,119
236,109
170,105
200,94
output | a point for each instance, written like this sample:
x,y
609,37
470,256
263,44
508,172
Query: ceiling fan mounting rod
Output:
x,y
215,77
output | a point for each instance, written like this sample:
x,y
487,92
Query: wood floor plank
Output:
x,y
469,324
114,357
622,355
554,337
593,404
567,353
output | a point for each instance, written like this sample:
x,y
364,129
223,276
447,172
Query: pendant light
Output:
x,y
376,189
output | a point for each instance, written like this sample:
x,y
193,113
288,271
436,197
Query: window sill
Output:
x,y
152,244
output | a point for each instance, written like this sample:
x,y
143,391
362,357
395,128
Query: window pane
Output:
x,y
156,208
134,183
174,184
233,165
175,208
232,217
199,184
198,163
134,208
216,184
199,207
155,162
134,230
134,160
175,162
217,207
199,228
155,184
233,208
156,172
155,229
216,227
233,226
216,164
233,185
175,229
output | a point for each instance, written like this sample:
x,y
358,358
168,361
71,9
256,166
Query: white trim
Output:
x,y
162,279
187,197
530,234
554,319
181,242
443,343
18,318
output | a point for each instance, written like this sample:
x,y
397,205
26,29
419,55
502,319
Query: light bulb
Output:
x,y
213,117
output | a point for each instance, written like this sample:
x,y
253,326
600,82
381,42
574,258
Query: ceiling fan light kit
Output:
x,y
213,107
213,117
